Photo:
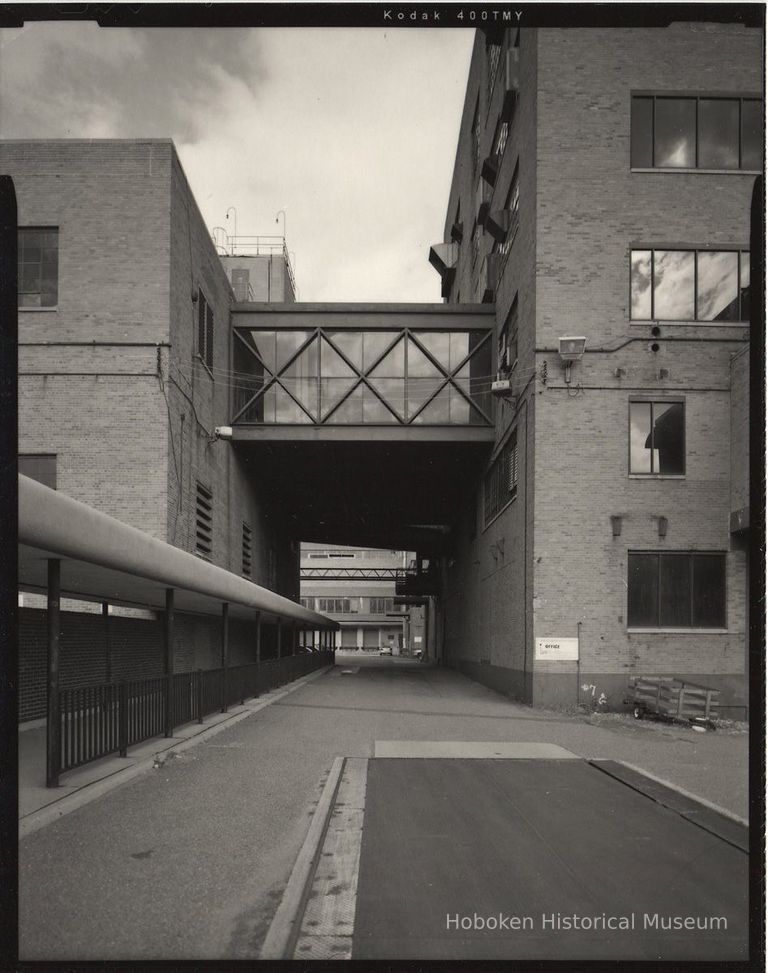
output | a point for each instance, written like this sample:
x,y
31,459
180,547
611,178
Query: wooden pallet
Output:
x,y
673,698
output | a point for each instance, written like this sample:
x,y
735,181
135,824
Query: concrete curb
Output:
x,y
91,792
689,794
285,925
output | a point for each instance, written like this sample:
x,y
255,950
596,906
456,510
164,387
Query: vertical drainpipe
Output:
x,y
168,645
224,653
279,637
258,638
53,725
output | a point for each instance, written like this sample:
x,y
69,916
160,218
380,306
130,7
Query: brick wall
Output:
x,y
740,430
591,210
582,210
488,586
88,386
200,401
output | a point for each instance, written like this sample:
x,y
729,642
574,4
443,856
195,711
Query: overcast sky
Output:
x,y
351,131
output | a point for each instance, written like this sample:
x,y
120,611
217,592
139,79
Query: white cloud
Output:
x,y
351,131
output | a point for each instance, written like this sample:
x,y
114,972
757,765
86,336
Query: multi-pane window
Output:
x,y
690,285
701,132
247,549
675,590
508,340
380,606
205,330
500,484
657,437
512,203
38,266
494,56
204,521
337,606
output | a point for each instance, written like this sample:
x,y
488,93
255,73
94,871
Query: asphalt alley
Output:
x,y
191,861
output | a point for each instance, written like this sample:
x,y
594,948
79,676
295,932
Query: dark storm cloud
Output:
x,y
78,80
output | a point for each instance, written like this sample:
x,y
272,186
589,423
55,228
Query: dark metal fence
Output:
x,y
95,721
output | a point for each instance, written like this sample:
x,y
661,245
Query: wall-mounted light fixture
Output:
x,y
571,349
663,524
616,524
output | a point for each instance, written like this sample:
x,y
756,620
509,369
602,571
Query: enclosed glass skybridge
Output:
x,y
414,368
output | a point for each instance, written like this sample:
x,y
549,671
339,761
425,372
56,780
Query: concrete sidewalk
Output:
x,y
189,861
39,805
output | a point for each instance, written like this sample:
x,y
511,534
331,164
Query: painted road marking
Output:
x,y
471,749
328,922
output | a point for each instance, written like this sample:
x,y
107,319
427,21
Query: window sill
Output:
x,y
656,476
677,631
37,310
711,172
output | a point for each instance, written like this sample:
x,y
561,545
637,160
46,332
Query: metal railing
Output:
x,y
96,721
252,246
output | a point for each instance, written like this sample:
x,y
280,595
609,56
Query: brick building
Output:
x,y
602,190
356,587
591,520
123,378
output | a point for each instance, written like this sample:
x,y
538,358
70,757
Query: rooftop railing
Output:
x,y
252,246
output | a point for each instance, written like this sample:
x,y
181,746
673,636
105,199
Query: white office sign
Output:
x,y
557,650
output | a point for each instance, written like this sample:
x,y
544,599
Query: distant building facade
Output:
x,y
358,592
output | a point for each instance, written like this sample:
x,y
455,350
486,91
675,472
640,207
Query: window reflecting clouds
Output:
x,y
641,284
689,285
675,144
673,284
718,286
690,132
